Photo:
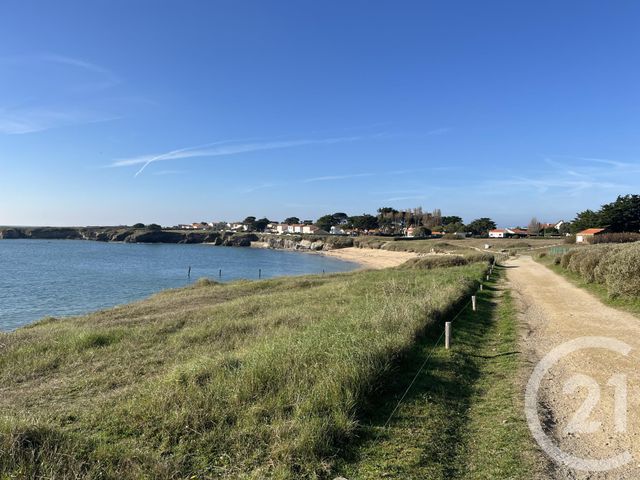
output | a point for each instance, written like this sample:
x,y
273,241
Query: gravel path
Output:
x,y
552,312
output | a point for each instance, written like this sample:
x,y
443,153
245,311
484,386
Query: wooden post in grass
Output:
x,y
473,302
447,335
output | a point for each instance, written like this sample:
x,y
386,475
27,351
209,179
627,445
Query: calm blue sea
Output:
x,y
56,278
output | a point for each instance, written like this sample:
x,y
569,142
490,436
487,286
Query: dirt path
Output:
x,y
553,311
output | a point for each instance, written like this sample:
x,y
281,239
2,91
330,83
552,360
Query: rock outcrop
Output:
x,y
312,242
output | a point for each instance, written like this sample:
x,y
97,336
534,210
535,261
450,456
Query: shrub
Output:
x,y
556,260
204,282
566,258
589,259
615,266
542,254
625,237
570,239
427,263
480,257
622,273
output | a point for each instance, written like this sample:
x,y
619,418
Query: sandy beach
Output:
x,y
369,257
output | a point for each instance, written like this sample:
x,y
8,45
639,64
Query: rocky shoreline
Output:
x,y
127,235
145,235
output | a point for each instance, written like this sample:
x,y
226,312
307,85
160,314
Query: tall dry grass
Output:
x,y
242,380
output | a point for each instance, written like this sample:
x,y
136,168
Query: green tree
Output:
x,y
250,222
261,224
455,227
622,215
421,232
291,220
154,226
341,218
448,220
481,226
139,225
363,222
584,220
387,219
326,222
565,228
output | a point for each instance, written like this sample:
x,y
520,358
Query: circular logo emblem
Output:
x,y
531,405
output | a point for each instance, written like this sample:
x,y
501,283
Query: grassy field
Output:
x,y
241,380
463,417
439,245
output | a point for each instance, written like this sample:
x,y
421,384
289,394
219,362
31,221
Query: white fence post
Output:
x,y
447,335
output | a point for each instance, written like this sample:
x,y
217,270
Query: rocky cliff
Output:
x,y
128,235
307,242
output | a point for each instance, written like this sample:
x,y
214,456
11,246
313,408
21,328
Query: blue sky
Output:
x,y
119,111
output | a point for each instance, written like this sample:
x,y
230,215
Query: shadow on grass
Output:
x,y
429,422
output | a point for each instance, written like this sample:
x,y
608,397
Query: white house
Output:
x,y
310,229
498,233
336,230
237,227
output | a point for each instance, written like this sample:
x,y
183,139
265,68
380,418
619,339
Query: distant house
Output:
x,y
517,232
586,236
410,232
508,232
238,227
310,229
336,230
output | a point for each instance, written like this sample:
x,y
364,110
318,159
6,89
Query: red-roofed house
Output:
x,y
498,233
585,236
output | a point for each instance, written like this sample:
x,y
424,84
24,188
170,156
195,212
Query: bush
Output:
x,y
585,262
427,263
556,260
626,237
566,258
615,266
480,257
571,239
622,273
542,254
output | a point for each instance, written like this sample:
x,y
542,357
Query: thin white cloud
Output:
x,y
36,114
109,78
30,120
337,177
223,148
